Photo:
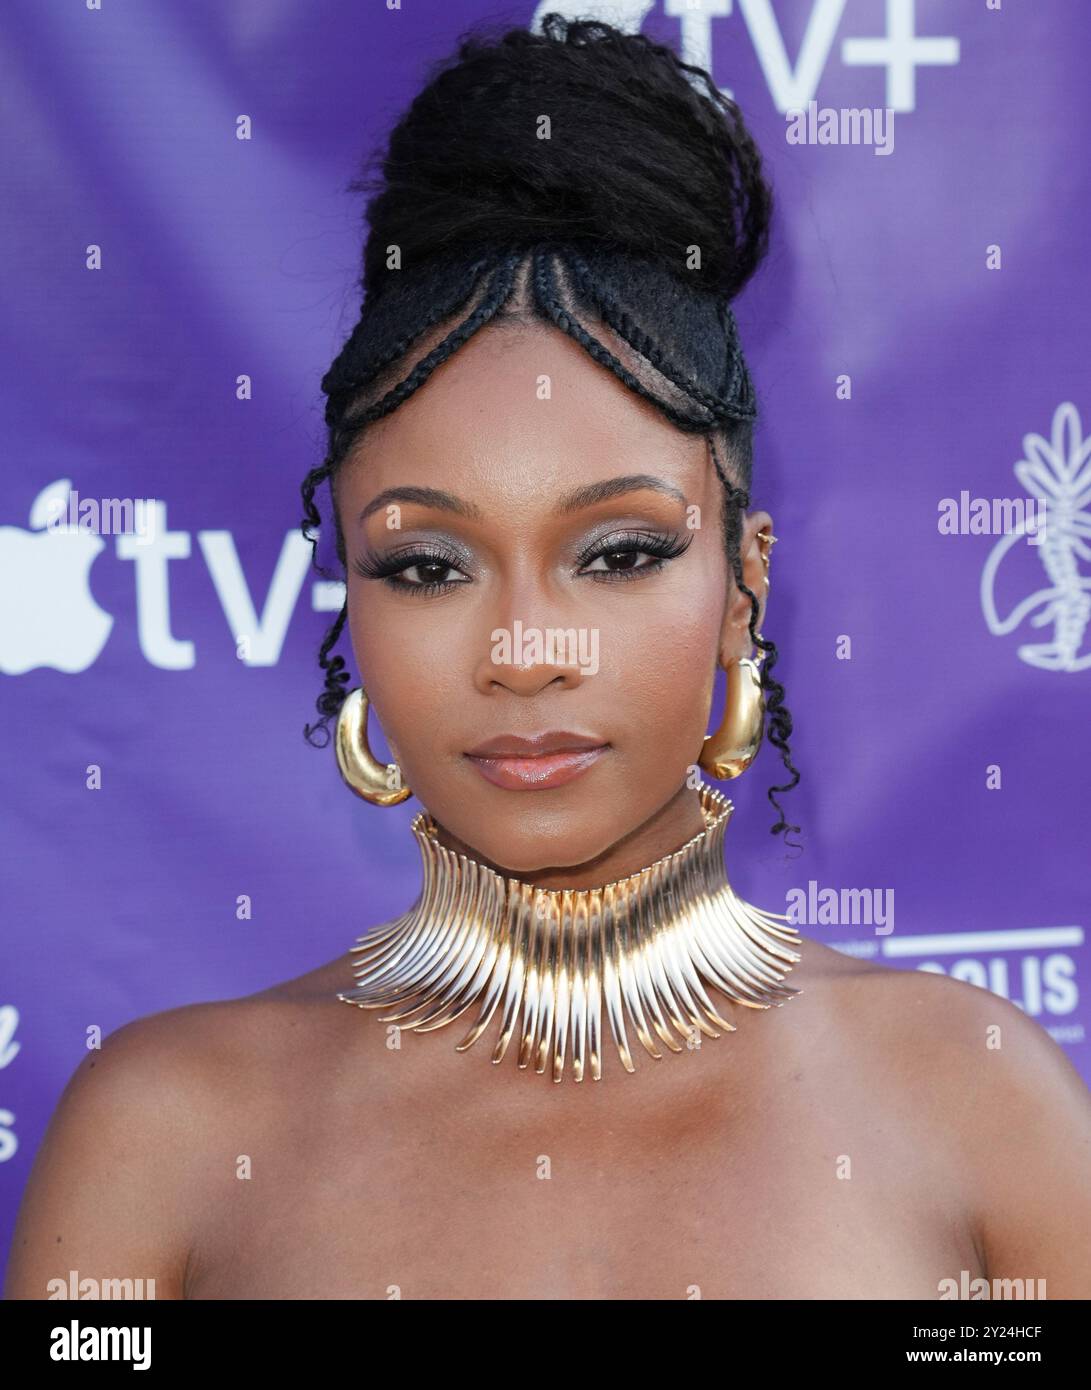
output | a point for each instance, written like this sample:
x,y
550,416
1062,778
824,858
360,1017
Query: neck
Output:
x,y
646,944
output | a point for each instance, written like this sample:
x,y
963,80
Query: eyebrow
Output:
x,y
574,501
427,497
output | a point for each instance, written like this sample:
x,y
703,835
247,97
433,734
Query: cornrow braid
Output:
x,y
633,257
739,389
545,291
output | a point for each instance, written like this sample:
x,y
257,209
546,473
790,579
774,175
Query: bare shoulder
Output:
x,y
990,1091
935,1013
118,1178
956,1032
103,1194
1017,1114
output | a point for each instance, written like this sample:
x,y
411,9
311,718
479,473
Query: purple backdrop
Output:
x,y
180,260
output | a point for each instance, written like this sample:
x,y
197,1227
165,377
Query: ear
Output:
x,y
735,639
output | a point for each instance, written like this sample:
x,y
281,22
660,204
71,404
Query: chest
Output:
x,y
784,1200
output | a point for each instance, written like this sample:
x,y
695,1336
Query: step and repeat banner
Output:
x,y
180,257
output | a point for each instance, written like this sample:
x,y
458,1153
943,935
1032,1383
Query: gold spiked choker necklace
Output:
x,y
548,961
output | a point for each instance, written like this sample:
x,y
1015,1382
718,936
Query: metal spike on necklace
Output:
x,y
646,946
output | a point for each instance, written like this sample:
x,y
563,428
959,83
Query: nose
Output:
x,y
525,659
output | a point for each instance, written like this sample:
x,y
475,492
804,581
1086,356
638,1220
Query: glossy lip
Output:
x,y
532,745
537,762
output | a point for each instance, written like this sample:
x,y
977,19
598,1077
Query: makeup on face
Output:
x,y
611,531
535,763
428,560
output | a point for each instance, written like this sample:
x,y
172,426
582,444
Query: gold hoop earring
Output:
x,y
379,783
733,747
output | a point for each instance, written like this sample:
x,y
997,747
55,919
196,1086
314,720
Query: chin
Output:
x,y
522,855
523,834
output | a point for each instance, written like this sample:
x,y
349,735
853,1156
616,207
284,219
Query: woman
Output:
x,y
548,552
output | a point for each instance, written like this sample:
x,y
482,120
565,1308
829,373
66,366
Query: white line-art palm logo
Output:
x,y
1058,472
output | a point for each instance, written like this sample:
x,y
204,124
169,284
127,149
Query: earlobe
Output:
x,y
735,640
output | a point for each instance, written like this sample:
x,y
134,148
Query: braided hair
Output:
x,y
589,179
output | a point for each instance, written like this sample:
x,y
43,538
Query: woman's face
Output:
x,y
554,564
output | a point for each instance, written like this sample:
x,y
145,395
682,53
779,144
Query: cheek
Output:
x,y
665,678
408,662
659,649
656,666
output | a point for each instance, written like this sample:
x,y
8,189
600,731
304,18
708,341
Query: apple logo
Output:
x,y
49,617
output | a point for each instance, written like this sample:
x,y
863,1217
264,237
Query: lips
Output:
x,y
532,745
537,762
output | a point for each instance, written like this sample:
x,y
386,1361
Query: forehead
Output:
x,y
516,416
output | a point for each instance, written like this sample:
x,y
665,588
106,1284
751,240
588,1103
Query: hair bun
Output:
x,y
582,133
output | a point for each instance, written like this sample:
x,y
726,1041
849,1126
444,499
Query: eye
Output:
x,y
428,573
413,571
624,555
631,554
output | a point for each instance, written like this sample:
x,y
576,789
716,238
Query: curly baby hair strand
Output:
x,y
337,678
630,229
777,714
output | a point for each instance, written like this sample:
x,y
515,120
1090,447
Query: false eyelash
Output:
x,y
369,567
630,542
638,542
